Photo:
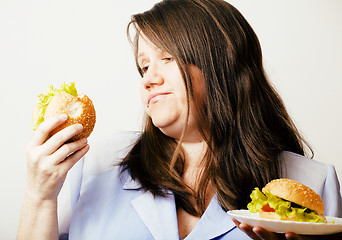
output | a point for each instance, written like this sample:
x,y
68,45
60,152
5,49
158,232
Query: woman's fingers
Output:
x,y
246,229
58,139
292,236
46,174
71,160
67,150
258,233
50,160
267,235
43,130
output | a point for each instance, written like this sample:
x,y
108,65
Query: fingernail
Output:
x,y
79,126
64,116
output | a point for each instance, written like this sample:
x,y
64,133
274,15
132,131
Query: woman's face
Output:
x,y
163,91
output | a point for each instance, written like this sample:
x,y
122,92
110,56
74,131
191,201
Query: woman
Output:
x,y
215,129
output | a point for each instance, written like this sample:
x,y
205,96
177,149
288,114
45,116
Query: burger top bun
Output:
x,y
296,192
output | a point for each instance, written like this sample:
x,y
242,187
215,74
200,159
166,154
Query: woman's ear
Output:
x,y
198,83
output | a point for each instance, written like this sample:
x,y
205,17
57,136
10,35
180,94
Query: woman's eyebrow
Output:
x,y
141,57
141,54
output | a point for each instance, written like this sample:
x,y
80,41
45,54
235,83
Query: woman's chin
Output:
x,y
176,133
170,129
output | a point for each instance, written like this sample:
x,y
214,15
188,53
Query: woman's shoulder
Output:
x,y
107,151
321,177
297,160
305,170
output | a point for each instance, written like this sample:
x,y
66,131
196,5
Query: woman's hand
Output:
x,y
48,161
258,233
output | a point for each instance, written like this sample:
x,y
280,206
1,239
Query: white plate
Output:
x,y
279,226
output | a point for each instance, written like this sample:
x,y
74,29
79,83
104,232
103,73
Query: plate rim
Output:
x,y
328,226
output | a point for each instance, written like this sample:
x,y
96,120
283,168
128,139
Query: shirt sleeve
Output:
x,y
104,153
320,177
331,193
68,197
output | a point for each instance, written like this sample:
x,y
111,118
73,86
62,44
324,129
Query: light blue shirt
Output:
x,y
96,202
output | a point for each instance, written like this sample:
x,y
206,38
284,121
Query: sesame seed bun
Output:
x,y
296,192
79,109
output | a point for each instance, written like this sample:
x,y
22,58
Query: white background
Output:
x,y
44,42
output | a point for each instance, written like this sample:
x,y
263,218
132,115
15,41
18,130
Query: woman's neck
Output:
x,y
193,164
193,156
194,153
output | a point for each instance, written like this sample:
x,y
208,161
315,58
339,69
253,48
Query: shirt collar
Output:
x,y
159,216
131,184
213,223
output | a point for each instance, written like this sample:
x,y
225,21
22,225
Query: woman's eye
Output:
x,y
168,59
144,69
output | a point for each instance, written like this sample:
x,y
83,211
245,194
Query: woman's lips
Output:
x,y
155,97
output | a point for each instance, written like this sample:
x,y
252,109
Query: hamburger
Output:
x,y
65,100
288,200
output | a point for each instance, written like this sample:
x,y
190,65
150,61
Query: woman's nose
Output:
x,y
152,77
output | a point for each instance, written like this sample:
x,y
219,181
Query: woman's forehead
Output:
x,y
144,44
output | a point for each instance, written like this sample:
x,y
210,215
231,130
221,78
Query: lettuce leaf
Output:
x,y
282,207
44,100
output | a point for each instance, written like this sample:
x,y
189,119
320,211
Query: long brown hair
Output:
x,y
246,124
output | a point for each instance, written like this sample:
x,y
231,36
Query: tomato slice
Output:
x,y
267,208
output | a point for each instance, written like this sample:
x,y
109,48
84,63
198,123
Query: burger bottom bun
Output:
x,y
273,215
79,109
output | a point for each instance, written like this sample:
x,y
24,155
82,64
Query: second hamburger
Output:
x,y
289,200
